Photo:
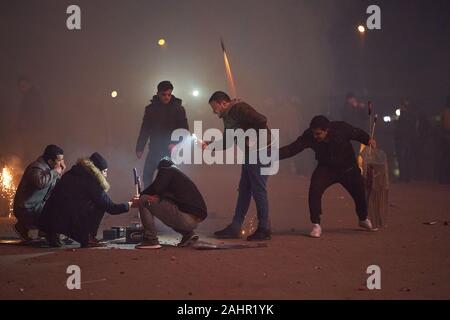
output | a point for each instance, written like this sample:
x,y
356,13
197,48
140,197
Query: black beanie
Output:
x,y
165,162
99,161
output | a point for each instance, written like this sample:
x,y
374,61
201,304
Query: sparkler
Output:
x,y
7,188
230,78
251,227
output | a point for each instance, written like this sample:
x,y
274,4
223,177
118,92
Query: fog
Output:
x,y
291,60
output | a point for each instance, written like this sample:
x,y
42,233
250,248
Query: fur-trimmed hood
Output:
x,y
89,166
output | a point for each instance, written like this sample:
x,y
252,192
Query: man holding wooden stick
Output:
x,y
331,141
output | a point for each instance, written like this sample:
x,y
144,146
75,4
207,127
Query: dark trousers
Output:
x,y
351,179
252,183
90,226
94,219
444,166
29,218
151,164
405,160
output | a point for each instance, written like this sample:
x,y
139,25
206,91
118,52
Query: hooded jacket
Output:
x,y
159,122
336,153
81,191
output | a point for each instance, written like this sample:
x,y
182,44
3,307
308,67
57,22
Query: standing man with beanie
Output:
x,y
164,115
79,203
35,187
331,141
237,114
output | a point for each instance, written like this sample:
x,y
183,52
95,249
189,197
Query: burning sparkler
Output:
x,y
228,70
251,227
7,188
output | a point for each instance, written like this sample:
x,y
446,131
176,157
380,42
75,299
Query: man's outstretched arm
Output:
x,y
294,148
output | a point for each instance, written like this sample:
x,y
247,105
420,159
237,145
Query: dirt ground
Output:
x,y
414,257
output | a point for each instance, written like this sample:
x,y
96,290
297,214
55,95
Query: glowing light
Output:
x,y
361,29
229,75
195,93
7,188
398,112
161,42
387,119
114,94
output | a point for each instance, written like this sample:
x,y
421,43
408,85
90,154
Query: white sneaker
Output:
x,y
366,224
316,231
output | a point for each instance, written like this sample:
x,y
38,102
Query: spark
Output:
x,y
8,189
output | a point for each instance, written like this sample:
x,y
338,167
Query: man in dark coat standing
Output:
x,y
164,115
331,141
79,202
35,187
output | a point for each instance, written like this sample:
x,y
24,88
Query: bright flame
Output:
x,y
229,75
361,29
8,189
161,42
114,94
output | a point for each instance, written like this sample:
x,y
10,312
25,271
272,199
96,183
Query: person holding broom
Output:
x,y
331,141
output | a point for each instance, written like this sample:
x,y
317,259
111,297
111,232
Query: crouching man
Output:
x,y
175,200
35,187
79,203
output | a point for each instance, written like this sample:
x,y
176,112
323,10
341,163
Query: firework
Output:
x,y
7,188
228,71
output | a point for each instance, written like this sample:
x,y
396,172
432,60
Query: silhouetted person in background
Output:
x,y
405,139
336,164
444,170
32,120
354,112
164,115
35,188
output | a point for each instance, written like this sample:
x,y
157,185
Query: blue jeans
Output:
x,y
252,183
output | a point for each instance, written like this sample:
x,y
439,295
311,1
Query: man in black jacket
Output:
x,y
35,188
175,200
331,141
164,115
79,203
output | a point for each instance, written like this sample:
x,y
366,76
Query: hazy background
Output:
x,y
291,60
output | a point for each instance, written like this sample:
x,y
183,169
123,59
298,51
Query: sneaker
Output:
x,y
228,233
260,235
22,232
188,239
366,224
148,244
316,231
